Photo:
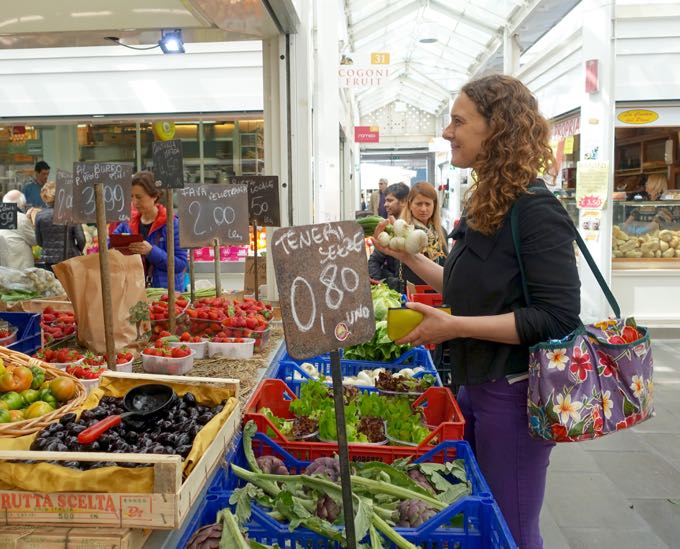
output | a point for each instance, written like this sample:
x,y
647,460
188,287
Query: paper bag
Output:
x,y
81,279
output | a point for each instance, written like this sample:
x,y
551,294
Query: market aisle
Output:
x,y
623,490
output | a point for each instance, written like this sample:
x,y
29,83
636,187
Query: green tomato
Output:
x,y
13,400
4,416
38,377
47,396
30,395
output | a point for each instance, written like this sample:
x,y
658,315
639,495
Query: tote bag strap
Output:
x,y
514,226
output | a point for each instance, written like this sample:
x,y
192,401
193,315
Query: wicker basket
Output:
x,y
29,426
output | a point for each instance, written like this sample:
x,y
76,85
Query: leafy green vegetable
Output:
x,y
384,298
232,538
379,349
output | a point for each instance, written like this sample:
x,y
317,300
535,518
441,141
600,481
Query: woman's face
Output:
x,y
422,208
467,132
141,201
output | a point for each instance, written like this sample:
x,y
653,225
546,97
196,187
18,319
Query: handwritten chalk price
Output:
x,y
8,215
322,274
116,178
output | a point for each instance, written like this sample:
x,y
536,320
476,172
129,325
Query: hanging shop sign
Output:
x,y
366,134
638,117
63,198
322,276
592,179
369,76
564,128
168,164
213,211
117,180
163,130
8,215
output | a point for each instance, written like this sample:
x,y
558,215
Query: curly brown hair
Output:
x,y
513,155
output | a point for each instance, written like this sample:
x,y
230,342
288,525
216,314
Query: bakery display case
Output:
x,y
646,235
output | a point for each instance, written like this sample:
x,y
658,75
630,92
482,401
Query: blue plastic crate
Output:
x,y
483,527
28,335
418,356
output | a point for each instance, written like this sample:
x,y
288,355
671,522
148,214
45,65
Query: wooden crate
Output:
x,y
164,508
25,537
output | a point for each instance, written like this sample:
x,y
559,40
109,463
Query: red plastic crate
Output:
x,y
424,294
440,408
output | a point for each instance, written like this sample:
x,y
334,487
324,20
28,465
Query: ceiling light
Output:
x,y
171,41
427,40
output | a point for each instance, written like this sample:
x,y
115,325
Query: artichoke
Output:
x,y
413,512
207,537
272,465
326,466
421,480
327,508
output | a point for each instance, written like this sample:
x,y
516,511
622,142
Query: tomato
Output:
x,y
47,396
63,388
16,415
37,409
4,416
17,379
30,395
13,400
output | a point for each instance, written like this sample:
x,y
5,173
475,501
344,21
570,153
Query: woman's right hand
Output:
x,y
397,254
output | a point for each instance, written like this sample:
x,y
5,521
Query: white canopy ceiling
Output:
x,y
435,46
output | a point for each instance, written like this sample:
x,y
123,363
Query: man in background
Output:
x,y
16,244
378,199
33,187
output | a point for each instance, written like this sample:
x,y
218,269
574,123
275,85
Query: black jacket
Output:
x,y
482,277
385,267
59,242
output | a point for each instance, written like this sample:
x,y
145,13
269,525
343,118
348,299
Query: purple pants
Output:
x,y
514,464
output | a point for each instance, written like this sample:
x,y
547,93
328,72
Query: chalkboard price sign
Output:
x,y
324,288
168,165
116,178
212,211
263,199
63,199
8,215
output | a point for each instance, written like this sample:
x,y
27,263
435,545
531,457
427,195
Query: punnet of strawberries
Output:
x,y
161,349
86,371
6,332
58,356
186,337
235,318
57,324
221,337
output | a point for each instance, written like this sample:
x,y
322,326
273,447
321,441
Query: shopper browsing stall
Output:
x,y
149,219
422,211
497,130
16,244
59,242
381,266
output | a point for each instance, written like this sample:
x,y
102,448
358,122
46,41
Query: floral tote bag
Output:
x,y
595,381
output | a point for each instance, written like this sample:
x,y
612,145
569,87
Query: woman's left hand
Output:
x,y
142,247
436,326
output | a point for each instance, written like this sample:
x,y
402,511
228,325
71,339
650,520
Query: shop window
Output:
x,y
20,148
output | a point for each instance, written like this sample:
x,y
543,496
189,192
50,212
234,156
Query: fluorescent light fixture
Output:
x,y
171,41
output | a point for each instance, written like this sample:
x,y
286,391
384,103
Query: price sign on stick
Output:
x,y
325,292
116,178
63,199
263,199
325,295
211,211
168,165
8,215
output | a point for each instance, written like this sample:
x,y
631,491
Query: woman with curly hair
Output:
x,y
497,130
422,210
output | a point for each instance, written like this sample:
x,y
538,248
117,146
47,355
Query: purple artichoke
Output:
x,y
327,508
272,465
413,512
207,537
326,466
421,480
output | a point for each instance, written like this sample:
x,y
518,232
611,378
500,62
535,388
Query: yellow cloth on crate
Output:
x,y
45,477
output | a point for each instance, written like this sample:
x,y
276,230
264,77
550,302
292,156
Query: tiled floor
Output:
x,y
623,490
